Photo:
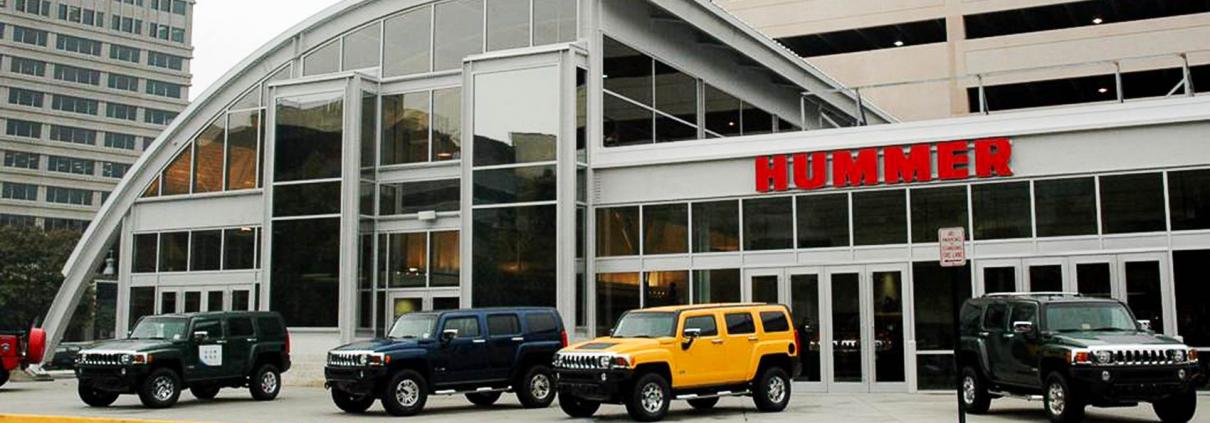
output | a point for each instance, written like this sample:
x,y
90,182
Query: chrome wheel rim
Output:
x,y
162,388
1056,399
777,389
968,390
539,386
652,398
407,393
268,382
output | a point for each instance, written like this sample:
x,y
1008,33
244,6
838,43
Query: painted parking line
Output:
x,y
18,418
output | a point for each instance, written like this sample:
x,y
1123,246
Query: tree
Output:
x,y
31,262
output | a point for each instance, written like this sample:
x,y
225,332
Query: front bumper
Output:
x,y
1137,383
123,379
354,380
593,385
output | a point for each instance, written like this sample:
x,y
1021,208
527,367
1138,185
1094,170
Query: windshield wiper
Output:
x,y
1110,329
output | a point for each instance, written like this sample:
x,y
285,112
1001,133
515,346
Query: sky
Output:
x,y
225,32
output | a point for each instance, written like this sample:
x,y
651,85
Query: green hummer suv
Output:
x,y
1071,352
204,352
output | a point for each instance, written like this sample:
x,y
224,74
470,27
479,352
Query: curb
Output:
x,y
20,418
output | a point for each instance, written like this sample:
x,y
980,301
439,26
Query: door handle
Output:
x,y
251,339
518,338
1008,335
983,333
479,341
221,341
716,341
753,338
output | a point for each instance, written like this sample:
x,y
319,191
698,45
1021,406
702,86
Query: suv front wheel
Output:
x,y
975,399
265,383
649,399
1062,404
405,394
1178,408
772,391
577,407
161,388
96,397
350,403
537,387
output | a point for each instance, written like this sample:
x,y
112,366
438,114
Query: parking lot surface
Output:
x,y
303,404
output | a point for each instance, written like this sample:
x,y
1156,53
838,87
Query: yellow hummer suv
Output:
x,y
697,353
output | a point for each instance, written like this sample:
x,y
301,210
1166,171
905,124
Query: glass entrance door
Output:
x,y
865,331
1145,285
401,303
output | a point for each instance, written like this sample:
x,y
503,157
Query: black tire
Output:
x,y
577,407
265,383
703,403
536,389
649,398
405,393
3,376
160,389
975,399
1061,403
771,392
483,399
204,392
350,403
94,397
1178,408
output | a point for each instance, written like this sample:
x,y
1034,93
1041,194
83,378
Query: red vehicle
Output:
x,y
17,353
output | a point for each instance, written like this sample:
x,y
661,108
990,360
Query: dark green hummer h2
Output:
x,y
200,351
1071,352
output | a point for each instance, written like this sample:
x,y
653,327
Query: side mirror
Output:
x,y
1145,324
611,332
449,335
689,336
200,335
1023,327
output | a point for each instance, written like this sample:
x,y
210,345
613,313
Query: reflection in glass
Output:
x,y
193,302
935,371
208,158
888,327
405,128
445,260
666,288
716,226
676,93
1189,199
722,113
1132,203
142,303
369,136
1191,291
322,60
167,302
507,24
306,199
627,72
407,257
1046,278
666,229
1092,279
936,208
515,185
756,121
505,133
768,223
764,289
145,248
715,286
214,301
554,21
626,123
933,305
176,175
804,306
823,221
447,124
846,328
617,231
617,293
239,251
1143,292
514,256
306,280
413,197
243,132
879,217
207,250
406,48
999,279
308,144
581,115
361,48
1065,207
458,32
1001,211
174,251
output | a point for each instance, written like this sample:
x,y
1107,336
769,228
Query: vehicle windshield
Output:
x,y
1089,317
413,326
646,325
169,328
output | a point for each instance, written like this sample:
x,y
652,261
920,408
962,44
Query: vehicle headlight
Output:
x,y
363,360
127,359
621,361
557,360
1103,357
1178,355
605,361
5,347
377,359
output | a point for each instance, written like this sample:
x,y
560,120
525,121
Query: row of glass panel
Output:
x,y
200,250
143,301
1129,203
225,156
413,260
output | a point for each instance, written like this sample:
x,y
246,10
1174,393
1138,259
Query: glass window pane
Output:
x,y
309,132
617,293
368,135
756,121
515,185
1001,210
722,113
142,303
626,123
934,305
666,288
362,48
145,248
208,158
458,32
507,24
445,260
715,286
306,280
1189,199
823,221
167,302
666,229
1092,279
1143,292
206,251
935,371
554,21
768,223
176,175
239,250
999,279
715,226
406,48
668,130
936,208
322,60
1065,207
243,132
617,231
306,199
174,251
514,256
627,72
581,115
1192,309
888,326
879,217
408,255
675,93
805,307
1046,278
405,128
413,197
1132,203
505,133
447,124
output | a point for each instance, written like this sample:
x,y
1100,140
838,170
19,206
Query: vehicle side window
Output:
x,y
239,327
1024,312
468,327
774,321
707,324
740,324
502,324
270,327
970,315
541,322
996,317
213,328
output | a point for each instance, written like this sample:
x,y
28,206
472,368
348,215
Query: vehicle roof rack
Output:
x,y
1034,294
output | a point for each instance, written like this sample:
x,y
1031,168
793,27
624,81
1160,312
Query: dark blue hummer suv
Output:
x,y
480,353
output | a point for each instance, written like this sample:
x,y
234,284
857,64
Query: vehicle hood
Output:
x,y
1091,339
382,345
136,345
618,345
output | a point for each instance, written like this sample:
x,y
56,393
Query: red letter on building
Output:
x,y
813,177
952,160
775,173
992,156
863,171
915,167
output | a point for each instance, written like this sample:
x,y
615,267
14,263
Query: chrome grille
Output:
x,y
1142,357
344,359
580,361
101,359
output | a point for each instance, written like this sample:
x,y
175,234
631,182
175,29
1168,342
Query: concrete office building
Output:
x,y
1029,53
597,156
85,86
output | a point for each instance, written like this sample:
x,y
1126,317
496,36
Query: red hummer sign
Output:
x,y
885,165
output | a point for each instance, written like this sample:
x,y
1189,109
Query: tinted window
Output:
x,y
715,286
1001,210
1024,313
665,229
774,321
174,251
503,324
142,303
513,256
145,246
879,217
1066,207
617,231
213,328
309,132
970,318
541,322
270,327
240,327
995,318
937,208
1189,197
740,323
823,221
467,327
706,323
207,250
768,224
1132,203
715,226
934,311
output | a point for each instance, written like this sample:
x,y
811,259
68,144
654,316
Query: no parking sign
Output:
x,y
953,246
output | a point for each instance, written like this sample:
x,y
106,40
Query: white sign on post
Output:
x,y
953,246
